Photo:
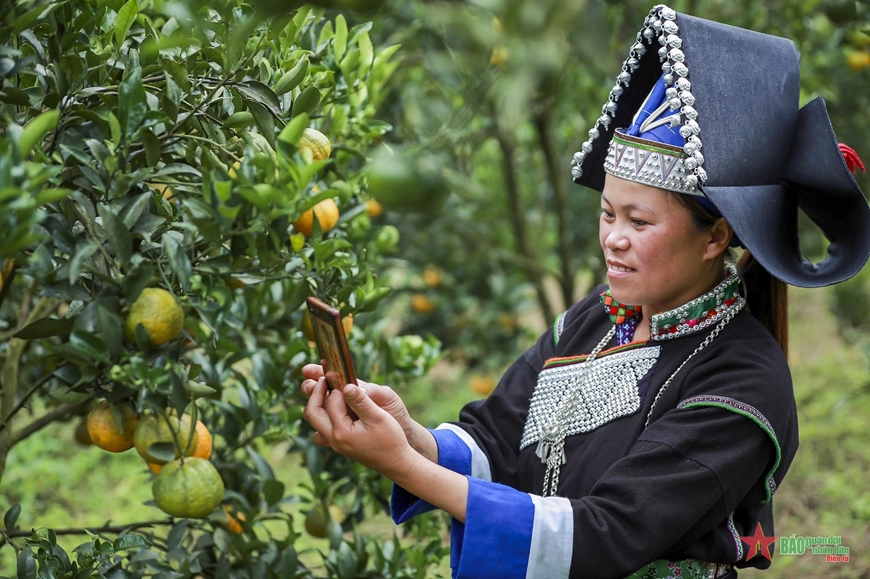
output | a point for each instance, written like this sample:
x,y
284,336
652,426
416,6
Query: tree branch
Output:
x,y
114,529
43,421
519,225
563,206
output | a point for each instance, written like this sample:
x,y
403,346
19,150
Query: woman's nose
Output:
x,y
616,239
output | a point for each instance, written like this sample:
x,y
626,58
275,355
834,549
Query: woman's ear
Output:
x,y
720,238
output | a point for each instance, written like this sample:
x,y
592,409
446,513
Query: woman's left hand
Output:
x,y
374,439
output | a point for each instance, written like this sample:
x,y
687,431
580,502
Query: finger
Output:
x,y
312,371
308,386
314,411
319,439
358,400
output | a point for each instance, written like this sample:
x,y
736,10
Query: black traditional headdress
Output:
x,y
731,97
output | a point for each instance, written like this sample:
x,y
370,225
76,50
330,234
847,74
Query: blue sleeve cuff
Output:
x,y
453,454
499,522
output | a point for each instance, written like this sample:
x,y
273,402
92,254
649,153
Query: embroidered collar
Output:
x,y
690,317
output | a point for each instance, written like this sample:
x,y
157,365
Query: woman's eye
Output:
x,y
638,222
607,214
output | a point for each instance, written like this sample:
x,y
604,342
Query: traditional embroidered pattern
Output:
x,y
684,569
738,544
554,362
609,391
750,412
701,312
618,312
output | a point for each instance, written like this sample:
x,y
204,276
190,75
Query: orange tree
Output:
x,y
150,177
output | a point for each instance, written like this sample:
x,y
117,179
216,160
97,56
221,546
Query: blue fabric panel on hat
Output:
x,y
655,108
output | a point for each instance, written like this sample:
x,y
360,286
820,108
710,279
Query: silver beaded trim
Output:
x,y
655,168
660,24
608,392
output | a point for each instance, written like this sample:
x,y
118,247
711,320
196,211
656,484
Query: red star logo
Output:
x,y
758,543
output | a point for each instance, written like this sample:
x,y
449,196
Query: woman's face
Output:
x,y
656,256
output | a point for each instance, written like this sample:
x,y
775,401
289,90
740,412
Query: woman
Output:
x,y
644,440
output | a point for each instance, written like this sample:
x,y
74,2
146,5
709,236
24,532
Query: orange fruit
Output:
x,y
158,312
317,143
432,276
373,208
482,385
327,214
858,60
422,304
203,441
81,434
233,524
191,489
106,433
154,429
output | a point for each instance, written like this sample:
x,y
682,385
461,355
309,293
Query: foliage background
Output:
x,y
501,92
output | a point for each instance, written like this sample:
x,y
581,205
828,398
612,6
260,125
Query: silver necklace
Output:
x,y
551,442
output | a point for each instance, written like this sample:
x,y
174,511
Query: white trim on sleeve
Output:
x,y
552,538
479,462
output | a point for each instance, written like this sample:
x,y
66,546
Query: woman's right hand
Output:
x,y
385,397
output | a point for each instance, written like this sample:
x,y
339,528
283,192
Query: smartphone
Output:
x,y
332,344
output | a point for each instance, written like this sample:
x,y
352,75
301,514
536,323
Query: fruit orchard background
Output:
x,y
155,144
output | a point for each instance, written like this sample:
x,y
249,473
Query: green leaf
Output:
x,y
113,336
152,146
89,344
115,127
291,79
45,328
130,541
307,101
26,564
339,43
132,102
260,93
239,120
119,235
178,260
260,463
367,53
11,517
265,121
292,132
133,209
126,17
84,250
36,129
273,491
164,451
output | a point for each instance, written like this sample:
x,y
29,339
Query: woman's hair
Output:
x,y
766,296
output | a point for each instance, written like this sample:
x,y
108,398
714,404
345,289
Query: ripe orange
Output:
x,y
81,434
432,276
233,524
155,429
482,385
203,441
327,214
422,304
317,143
191,489
858,60
108,434
373,208
158,312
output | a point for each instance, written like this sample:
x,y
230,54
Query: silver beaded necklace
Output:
x,y
551,442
